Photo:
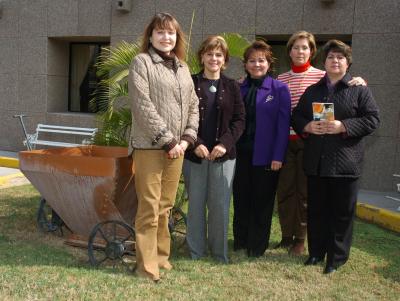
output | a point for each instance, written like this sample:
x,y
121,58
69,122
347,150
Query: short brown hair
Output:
x,y
340,47
261,46
303,35
212,43
165,21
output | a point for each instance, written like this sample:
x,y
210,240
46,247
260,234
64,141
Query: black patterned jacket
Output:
x,y
338,155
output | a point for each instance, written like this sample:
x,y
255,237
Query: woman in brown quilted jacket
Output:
x,y
165,117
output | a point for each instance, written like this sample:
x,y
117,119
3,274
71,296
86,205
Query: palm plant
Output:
x,y
114,117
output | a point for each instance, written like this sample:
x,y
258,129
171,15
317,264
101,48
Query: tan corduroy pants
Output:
x,y
156,182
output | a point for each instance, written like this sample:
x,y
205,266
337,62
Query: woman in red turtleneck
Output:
x,y
292,187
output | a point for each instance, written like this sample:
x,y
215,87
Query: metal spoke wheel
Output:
x,y
47,219
112,242
177,227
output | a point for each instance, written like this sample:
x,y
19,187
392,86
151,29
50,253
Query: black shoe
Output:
x,y
329,269
313,260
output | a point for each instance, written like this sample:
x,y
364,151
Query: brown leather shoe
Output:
x,y
298,248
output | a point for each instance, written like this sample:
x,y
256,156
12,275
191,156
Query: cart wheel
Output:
x,y
47,219
177,227
112,241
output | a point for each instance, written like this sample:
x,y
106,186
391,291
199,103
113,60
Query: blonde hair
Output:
x,y
212,43
303,35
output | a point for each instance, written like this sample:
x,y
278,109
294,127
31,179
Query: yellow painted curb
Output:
x,y
385,218
6,179
9,162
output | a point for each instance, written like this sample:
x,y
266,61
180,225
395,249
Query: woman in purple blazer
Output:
x,y
260,151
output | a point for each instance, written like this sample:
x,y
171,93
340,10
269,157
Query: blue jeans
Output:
x,y
209,186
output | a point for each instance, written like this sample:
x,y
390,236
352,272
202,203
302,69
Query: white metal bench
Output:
x,y
31,140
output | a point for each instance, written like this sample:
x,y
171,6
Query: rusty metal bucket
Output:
x,y
85,185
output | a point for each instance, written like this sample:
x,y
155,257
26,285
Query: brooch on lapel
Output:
x,y
269,98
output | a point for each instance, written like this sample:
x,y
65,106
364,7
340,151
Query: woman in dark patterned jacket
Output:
x,y
333,154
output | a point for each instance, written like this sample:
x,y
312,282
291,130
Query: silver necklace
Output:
x,y
212,88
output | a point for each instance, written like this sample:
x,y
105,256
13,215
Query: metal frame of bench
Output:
x,y
31,140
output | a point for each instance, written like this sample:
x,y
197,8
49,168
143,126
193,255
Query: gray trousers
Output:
x,y
209,186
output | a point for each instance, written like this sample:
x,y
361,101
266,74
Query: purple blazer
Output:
x,y
272,121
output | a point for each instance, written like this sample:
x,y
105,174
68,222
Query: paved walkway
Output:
x,y
382,208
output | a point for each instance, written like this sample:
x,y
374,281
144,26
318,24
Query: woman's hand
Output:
x,y
184,144
276,165
357,81
201,151
335,127
176,152
218,151
316,127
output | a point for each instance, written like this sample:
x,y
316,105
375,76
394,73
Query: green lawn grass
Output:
x,y
35,266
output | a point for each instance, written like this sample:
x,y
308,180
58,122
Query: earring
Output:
x,y
150,40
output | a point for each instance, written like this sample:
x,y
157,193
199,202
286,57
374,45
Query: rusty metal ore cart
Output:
x,y
92,190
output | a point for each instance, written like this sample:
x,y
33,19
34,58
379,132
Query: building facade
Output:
x,y
43,45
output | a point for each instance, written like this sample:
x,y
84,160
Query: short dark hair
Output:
x,y
212,43
340,47
261,46
165,21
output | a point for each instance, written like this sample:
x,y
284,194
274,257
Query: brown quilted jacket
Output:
x,y
164,104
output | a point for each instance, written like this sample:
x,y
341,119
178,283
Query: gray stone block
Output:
x,y
94,18
128,38
379,163
33,18
376,58
9,26
335,18
373,16
57,93
8,91
32,55
134,22
57,57
229,16
32,93
183,10
387,97
279,17
63,18
9,55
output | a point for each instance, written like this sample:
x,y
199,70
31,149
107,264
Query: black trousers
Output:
x,y
331,209
254,189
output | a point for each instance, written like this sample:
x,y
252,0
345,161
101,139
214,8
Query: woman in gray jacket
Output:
x,y
164,123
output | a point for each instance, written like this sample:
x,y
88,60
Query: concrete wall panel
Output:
x,y
57,57
375,57
229,16
94,17
9,55
183,10
388,100
279,17
334,18
132,23
32,93
379,163
33,18
373,16
9,26
63,18
8,91
33,55
57,93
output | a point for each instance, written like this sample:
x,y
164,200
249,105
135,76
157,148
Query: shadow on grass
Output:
x,y
21,242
